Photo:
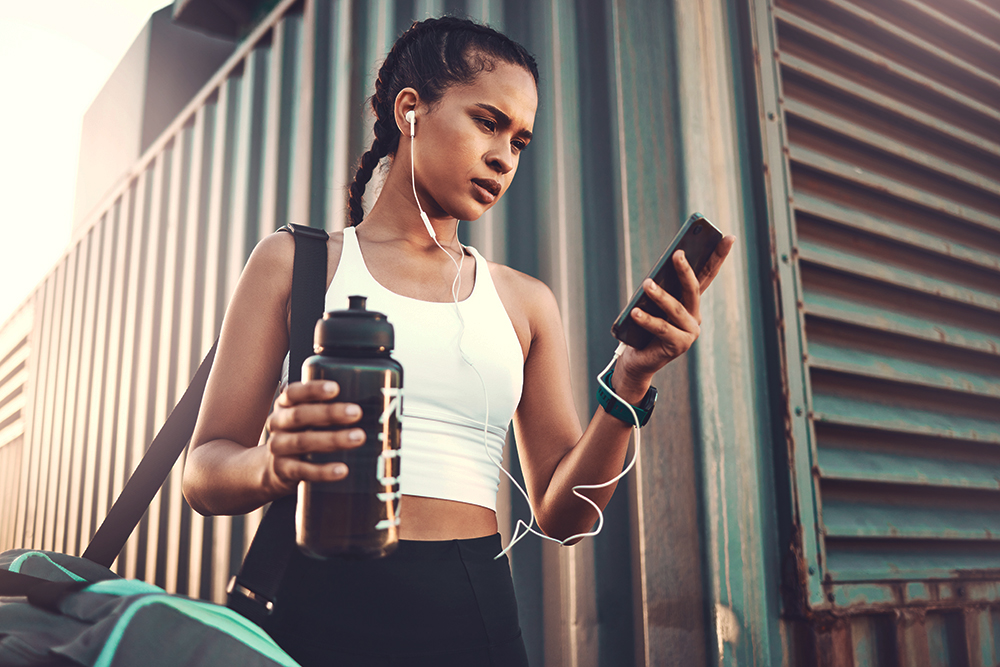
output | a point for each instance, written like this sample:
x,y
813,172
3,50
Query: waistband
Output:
x,y
477,548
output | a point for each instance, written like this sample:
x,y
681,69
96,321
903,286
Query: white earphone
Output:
x,y
411,118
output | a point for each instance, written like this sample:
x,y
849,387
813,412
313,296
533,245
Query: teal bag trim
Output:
x,y
124,587
221,618
15,565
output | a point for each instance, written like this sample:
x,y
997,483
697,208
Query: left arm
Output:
x,y
555,453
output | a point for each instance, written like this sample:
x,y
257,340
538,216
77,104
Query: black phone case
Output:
x,y
698,239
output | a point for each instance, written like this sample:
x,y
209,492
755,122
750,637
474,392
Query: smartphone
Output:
x,y
697,238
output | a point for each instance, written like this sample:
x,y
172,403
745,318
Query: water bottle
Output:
x,y
358,515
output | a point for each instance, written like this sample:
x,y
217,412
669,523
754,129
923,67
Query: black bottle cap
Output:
x,y
355,329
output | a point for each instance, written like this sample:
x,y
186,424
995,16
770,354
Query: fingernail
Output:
x,y
339,469
637,312
357,435
330,387
352,410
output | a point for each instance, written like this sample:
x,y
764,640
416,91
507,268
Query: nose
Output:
x,y
501,158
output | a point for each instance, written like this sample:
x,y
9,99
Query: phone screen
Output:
x,y
698,239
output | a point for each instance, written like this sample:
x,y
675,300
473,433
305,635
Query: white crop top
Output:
x,y
442,454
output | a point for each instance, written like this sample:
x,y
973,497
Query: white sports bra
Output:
x,y
444,406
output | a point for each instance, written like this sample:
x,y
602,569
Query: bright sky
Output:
x,y
55,56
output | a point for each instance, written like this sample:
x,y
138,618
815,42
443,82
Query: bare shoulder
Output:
x,y
267,278
274,257
273,252
530,293
529,302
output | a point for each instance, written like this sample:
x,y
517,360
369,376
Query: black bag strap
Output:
x,y
308,293
40,592
151,472
15,583
253,591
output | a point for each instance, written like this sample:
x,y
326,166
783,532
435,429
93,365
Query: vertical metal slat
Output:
x,y
80,390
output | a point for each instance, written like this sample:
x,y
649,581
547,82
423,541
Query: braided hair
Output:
x,y
429,57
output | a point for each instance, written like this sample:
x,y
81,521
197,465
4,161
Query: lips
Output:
x,y
488,184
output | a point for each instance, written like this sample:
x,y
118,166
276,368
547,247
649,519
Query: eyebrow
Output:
x,y
504,118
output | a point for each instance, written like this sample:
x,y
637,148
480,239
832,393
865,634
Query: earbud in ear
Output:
x,y
411,118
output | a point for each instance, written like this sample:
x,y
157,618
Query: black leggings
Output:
x,y
428,603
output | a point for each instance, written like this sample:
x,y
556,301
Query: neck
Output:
x,y
395,216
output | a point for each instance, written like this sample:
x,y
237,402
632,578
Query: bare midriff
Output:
x,y
436,519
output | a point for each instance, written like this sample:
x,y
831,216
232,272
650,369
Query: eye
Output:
x,y
488,123
518,145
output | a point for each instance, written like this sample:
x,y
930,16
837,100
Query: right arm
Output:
x,y
226,472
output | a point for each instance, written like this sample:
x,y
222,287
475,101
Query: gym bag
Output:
x,y
74,612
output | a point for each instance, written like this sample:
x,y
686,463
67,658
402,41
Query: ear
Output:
x,y
407,100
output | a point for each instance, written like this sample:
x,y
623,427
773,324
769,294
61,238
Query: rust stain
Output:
x,y
934,588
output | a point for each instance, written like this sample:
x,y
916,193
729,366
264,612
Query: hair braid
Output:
x,y
386,138
430,56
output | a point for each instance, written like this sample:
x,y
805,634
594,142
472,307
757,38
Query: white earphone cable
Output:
x,y
456,286
518,533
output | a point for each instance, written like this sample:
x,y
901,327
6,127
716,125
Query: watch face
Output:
x,y
649,400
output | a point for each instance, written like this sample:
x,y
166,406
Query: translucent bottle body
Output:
x,y
358,515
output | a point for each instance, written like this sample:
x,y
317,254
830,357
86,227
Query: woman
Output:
x,y
441,598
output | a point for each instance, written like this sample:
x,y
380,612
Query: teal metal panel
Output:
x,y
732,420
646,189
945,640
288,51
879,143
873,641
801,513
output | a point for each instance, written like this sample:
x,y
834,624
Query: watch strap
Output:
x,y
615,408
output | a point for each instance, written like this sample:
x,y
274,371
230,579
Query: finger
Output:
x,y
313,415
284,443
311,391
690,289
293,470
715,261
676,338
676,312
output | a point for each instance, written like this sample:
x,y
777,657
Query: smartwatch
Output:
x,y
615,408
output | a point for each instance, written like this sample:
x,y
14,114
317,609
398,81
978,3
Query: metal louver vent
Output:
x,y
891,114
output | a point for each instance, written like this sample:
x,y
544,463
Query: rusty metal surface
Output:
x,y
886,220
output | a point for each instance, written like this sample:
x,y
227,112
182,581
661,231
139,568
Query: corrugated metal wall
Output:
x,y
882,130
15,357
637,125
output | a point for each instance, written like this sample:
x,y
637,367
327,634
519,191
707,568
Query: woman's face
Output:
x,y
467,146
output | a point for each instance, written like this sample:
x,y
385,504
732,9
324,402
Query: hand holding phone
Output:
x,y
698,238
